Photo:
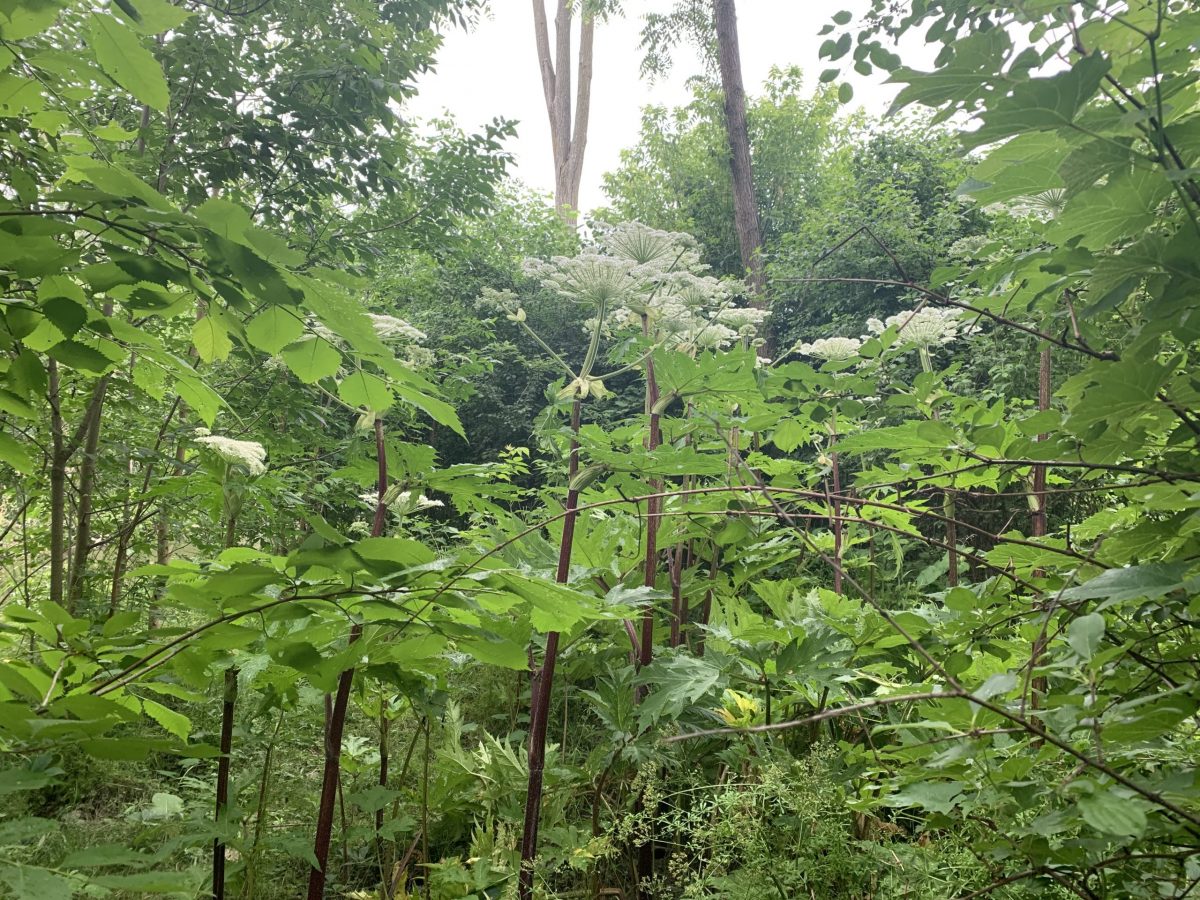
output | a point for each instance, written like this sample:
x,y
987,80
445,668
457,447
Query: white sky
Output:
x,y
492,71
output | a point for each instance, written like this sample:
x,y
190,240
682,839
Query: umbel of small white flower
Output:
x,y
387,328
249,454
834,348
653,252
589,278
390,328
924,328
402,502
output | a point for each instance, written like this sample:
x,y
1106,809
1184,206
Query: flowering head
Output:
x,y
833,348
390,328
589,278
654,252
251,455
924,328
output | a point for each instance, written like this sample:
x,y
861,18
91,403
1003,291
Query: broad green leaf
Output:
x,y
12,780
677,682
105,855
13,454
15,406
80,356
17,831
1041,104
935,796
1110,813
124,59
1150,581
153,16
33,883
141,883
20,19
312,359
1122,206
496,652
1000,683
211,339
274,328
175,723
1085,633
365,391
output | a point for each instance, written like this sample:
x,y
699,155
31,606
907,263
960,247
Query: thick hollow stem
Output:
x,y
336,718
653,510
543,682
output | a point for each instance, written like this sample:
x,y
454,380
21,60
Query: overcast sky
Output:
x,y
492,71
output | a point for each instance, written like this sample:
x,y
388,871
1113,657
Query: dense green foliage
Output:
x,y
310,421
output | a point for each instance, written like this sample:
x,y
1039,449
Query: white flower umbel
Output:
x,y
589,278
838,348
742,317
390,328
654,252
704,336
402,502
700,291
924,328
250,454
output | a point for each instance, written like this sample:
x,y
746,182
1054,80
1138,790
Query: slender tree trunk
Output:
x,y
87,486
745,207
58,486
544,681
223,765
336,712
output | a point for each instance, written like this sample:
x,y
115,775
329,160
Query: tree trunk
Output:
x,y
568,139
745,208
58,486
87,487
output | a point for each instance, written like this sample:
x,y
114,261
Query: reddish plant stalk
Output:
x,y
384,729
336,713
542,681
653,510
223,764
